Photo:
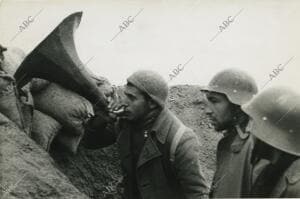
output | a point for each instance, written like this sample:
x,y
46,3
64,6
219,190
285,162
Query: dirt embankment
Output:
x,y
189,106
97,172
27,171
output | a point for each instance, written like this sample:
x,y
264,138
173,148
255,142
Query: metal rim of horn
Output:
x,y
55,59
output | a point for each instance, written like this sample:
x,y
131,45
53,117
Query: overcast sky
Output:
x,y
164,34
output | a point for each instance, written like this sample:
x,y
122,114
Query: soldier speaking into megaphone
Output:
x,y
159,154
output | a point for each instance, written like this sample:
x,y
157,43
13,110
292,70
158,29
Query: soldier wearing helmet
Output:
x,y
159,154
276,163
225,94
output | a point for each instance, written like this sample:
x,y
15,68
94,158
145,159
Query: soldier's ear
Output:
x,y
151,104
239,114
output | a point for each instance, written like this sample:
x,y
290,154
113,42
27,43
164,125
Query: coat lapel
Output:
x,y
149,152
161,127
124,144
237,144
163,124
240,139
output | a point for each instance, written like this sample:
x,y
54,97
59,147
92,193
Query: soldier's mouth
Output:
x,y
119,110
213,121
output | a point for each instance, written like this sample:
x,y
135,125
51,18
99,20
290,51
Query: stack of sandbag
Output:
x,y
65,107
44,129
59,113
103,84
9,104
15,104
63,112
12,58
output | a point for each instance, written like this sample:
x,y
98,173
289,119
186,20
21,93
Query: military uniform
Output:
x,y
233,175
285,182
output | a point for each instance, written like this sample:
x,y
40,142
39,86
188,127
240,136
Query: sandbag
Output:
x,y
26,104
100,81
44,129
37,85
12,106
69,141
13,57
11,60
8,100
103,84
68,108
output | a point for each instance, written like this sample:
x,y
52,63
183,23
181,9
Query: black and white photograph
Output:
x,y
149,99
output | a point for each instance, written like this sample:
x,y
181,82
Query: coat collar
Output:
x,y
163,124
149,152
123,141
160,129
240,138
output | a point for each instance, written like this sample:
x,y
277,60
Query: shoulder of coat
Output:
x,y
189,139
293,172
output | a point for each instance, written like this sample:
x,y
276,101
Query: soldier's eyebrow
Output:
x,y
209,97
130,94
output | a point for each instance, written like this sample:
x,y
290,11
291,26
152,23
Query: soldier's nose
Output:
x,y
208,111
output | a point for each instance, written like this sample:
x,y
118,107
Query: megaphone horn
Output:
x,y
55,59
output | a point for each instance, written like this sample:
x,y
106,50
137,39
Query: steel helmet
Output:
x,y
236,84
151,83
276,118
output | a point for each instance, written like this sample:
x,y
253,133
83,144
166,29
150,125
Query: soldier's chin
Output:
x,y
126,117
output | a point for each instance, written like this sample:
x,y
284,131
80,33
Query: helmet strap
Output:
x,y
242,134
240,118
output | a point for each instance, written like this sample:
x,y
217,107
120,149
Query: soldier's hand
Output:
x,y
100,120
116,104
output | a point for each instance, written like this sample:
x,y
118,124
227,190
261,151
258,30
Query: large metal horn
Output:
x,y
55,59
